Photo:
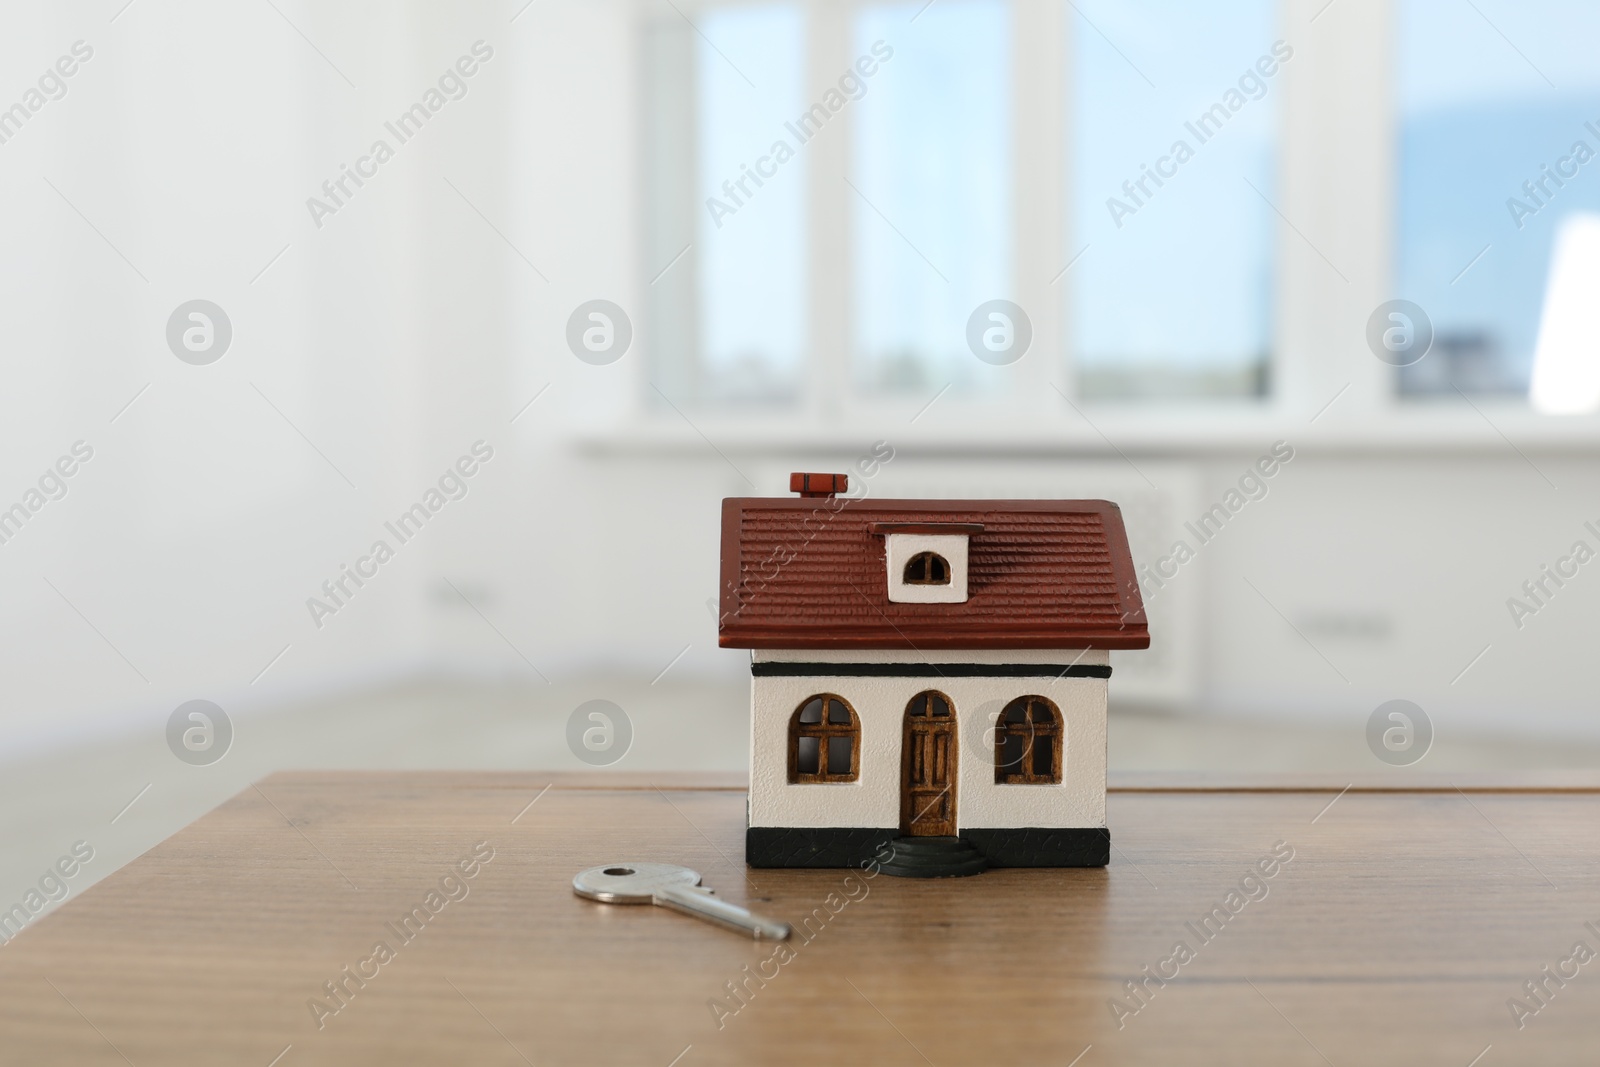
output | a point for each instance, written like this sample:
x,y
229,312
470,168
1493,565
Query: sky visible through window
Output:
x,y
1172,294
1487,100
752,262
931,204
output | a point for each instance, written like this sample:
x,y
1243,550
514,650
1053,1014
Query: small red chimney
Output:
x,y
818,484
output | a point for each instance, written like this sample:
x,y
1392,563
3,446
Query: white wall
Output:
x,y
188,545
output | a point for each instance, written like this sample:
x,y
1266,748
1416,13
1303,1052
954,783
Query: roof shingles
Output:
x,y
804,573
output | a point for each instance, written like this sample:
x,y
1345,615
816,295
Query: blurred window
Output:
x,y
1498,121
930,190
726,248
1174,123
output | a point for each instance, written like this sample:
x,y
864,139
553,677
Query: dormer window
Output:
x,y
926,562
927,568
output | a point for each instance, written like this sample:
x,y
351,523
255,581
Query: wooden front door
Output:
x,y
928,768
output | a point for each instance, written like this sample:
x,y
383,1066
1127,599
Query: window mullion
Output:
x,y
1335,168
827,162
1040,193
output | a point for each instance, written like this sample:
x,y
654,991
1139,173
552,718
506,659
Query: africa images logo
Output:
x,y
453,485
852,85
52,86
1252,85
452,85
199,332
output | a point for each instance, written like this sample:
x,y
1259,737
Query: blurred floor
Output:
x,y
84,793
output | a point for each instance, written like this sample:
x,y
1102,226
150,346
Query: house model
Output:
x,y
926,674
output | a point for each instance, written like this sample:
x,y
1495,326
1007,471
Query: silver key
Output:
x,y
672,887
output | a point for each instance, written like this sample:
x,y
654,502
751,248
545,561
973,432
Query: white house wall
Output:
x,y
873,800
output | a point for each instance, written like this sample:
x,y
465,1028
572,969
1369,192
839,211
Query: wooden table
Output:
x,y
1395,935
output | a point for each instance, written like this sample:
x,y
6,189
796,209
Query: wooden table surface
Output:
x,y
1396,934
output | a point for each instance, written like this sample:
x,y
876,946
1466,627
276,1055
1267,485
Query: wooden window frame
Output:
x,y
824,731
1032,733
929,556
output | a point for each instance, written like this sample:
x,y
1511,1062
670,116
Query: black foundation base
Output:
x,y
801,846
809,846
932,857
1043,847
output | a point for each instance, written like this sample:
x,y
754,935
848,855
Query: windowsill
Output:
x,y
1408,428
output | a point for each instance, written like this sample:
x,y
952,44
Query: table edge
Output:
x,y
1562,781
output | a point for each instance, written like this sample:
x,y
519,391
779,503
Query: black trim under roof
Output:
x,y
786,669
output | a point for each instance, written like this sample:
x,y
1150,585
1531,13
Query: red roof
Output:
x,y
810,573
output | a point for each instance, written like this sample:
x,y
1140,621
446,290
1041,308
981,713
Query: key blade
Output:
x,y
702,905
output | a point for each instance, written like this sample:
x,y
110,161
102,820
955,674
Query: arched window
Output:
x,y
1027,743
927,568
824,741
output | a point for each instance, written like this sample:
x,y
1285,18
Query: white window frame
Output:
x,y
899,548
